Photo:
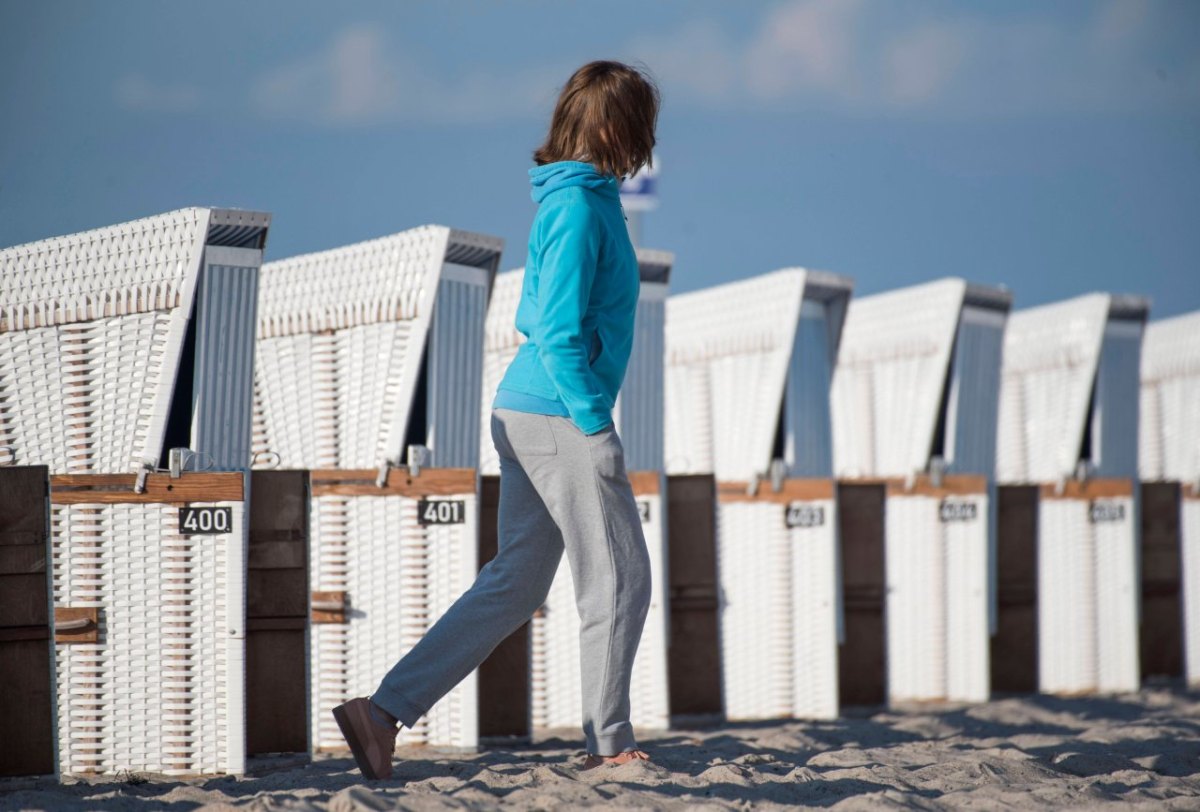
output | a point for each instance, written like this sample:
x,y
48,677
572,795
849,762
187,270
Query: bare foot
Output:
x,y
621,758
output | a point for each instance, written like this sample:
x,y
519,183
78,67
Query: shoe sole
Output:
x,y
356,746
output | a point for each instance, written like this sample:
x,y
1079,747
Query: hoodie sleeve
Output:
x,y
570,252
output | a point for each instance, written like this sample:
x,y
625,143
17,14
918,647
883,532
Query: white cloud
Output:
x,y
918,65
350,81
136,92
850,55
805,45
361,78
854,55
699,59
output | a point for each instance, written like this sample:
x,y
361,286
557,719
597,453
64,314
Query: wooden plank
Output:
x,y
503,687
22,559
1161,634
644,483
361,482
952,485
25,707
21,538
10,633
276,691
693,653
862,658
24,599
277,593
1090,489
279,506
277,612
791,490
1014,647
274,555
23,513
110,489
329,615
71,615
275,624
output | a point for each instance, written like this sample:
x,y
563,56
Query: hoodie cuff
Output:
x,y
594,426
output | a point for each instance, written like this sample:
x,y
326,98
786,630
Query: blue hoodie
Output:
x,y
578,299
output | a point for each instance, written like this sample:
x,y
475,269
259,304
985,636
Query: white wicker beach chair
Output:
x,y
115,345
748,375
364,351
1169,449
1069,401
915,396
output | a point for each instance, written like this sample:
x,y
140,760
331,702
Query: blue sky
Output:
x,y
1050,147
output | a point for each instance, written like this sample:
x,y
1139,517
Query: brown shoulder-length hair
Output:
x,y
606,115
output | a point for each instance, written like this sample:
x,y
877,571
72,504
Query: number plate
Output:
x,y
195,521
441,511
799,514
955,510
1106,512
644,510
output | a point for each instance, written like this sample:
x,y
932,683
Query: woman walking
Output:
x,y
563,484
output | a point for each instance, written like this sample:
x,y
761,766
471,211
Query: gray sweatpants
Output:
x,y
559,488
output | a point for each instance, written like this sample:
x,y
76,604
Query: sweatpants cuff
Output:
x,y
397,706
614,744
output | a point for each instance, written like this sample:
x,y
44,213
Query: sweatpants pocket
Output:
x,y
527,433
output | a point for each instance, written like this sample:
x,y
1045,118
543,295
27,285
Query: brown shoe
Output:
x,y
371,740
620,758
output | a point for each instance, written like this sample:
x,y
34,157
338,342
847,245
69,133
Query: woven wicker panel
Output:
x,y
327,400
1118,591
814,615
341,334
916,600
638,411
97,413
892,365
1087,599
1051,354
25,426
162,689
1066,598
500,342
554,666
372,362
382,280
968,663
757,614
136,267
688,418
91,326
1169,447
295,410
1189,527
937,622
400,578
743,333
649,694
778,612
555,697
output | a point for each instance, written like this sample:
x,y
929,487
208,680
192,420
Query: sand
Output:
x,y
1135,751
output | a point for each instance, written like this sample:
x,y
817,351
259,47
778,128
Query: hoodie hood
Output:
x,y
558,174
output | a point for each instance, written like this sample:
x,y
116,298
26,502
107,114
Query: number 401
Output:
x,y
441,511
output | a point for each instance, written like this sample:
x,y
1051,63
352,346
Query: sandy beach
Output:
x,y
1135,751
